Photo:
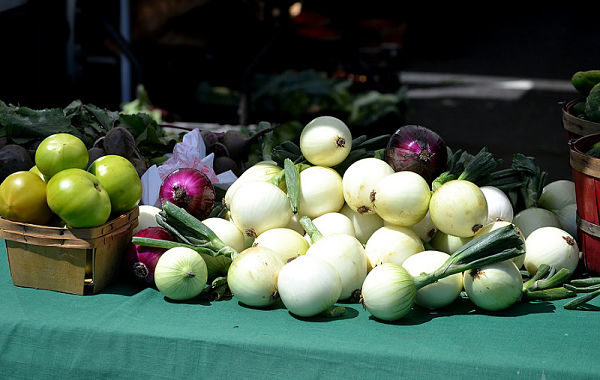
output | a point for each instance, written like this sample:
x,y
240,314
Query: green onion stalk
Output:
x,y
191,233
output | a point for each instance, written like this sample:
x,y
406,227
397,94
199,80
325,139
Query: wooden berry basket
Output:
x,y
77,261
586,175
574,126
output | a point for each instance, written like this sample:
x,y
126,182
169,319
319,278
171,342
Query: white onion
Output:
x,y
180,273
458,208
325,141
146,217
260,206
364,224
448,243
551,246
532,218
252,276
440,293
519,260
499,205
392,244
286,242
567,217
388,292
494,287
359,180
401,198
425,228
308,286
557,195
347,255
228,232
260,172
320,191
333,223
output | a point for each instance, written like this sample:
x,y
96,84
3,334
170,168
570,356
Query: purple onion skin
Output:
x,y
140,260
189,189
417,149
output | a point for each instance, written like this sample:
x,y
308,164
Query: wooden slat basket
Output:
x,y
586,175
574,126
77,261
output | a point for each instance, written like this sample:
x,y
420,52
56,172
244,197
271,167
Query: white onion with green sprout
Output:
x,y
532,218
309,286
286,242
551,246
344,252
458,208
494,287
499,205
325,141
359,181
252,276
557,195
440,293
364,224
180,274
389,291
401,198
320,191
392,244
259,206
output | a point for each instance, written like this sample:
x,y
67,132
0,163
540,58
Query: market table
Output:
x,y
127,333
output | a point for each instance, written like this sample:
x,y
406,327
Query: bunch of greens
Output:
x,y
26,126
523,181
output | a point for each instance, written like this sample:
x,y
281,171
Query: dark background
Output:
x,y
175,45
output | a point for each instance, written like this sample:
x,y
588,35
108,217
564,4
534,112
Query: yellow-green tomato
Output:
x,y
34,169
78,198
120,179
60,151
23,198
458,208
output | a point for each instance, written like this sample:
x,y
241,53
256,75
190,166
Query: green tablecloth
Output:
x,y
127,333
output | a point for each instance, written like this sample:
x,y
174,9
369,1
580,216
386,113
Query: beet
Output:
x,y
140,166
119,141
238,144
14,158
95,153
223,163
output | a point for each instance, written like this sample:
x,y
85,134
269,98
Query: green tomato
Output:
x,y
37,171
59,152
78,198
120,179
23,198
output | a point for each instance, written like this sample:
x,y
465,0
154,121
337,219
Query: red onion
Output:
x,y
141,260
418,149
189,189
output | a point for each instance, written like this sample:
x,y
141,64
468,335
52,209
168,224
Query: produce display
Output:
x,y
362,229
391,222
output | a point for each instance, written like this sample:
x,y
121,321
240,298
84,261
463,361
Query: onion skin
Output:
x,y
388,292
494,287
189,189
418,149
140,261
308,286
